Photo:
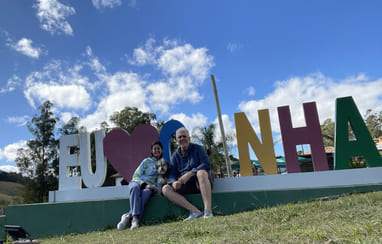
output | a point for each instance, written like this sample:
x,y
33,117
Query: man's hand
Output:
x,y
182,180
176,185
186,177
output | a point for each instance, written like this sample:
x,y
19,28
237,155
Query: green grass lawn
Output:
x,y
348,219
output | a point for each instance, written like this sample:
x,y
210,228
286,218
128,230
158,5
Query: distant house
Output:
x,y
378,143
307,166
327,150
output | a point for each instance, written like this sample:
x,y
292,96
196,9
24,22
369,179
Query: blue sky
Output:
x,y
94,57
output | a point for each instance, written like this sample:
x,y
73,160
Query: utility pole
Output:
x,y
229,169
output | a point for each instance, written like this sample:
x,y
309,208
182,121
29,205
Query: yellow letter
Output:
x,y
265,152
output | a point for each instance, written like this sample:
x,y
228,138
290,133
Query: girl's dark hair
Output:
x,y
156,143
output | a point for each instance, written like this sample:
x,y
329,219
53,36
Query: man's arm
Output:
x,y
203,159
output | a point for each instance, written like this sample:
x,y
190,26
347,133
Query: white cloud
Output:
x,y
186,60
94,62
64,87
129,89
146,54
316,87
68,89
72,96
132,3
20,121
191,123
175,59
9,168
25,47
229,129
164,94
66,116
11,85
123,89
106,3
10,151
52,15
233,47
129,84
185,69
250,91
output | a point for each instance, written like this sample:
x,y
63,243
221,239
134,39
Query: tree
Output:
x,y
130,117
71,127
373,122
206,137
36,160
327,130
214,150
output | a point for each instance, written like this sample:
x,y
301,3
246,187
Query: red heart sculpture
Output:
x,y
125,152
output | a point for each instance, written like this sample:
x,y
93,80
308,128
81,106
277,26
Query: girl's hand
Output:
x,y
150,187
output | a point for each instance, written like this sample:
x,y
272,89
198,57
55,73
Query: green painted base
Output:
x,y
3,219
51,219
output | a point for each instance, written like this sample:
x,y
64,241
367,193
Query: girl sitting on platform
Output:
x,y
142,187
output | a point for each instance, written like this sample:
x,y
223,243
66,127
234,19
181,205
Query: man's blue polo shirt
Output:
x,y
195,159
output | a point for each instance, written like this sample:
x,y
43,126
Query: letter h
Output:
x,y
311,134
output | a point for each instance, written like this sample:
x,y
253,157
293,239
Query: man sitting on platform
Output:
x,y
189,174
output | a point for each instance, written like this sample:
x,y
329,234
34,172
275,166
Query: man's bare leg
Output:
x,y
178,199
205,188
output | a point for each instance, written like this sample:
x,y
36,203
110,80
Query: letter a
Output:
x,y
347,111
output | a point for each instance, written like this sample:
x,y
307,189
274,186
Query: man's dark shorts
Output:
x,y
192,185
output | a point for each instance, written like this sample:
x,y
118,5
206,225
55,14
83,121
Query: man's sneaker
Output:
x,y
134,224
193,215
124,220
207,214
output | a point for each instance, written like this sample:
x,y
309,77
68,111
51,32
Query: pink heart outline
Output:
x,y
125,152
